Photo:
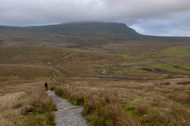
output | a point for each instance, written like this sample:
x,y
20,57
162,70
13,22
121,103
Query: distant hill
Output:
x,y
77,33
78,28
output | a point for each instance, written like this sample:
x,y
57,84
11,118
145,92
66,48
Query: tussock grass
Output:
x,y
163,83
100,107
52,88
40,101
25,107
40,108
183,83
10,107
130,102
17,105
182,98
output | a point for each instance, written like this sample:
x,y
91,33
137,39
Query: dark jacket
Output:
x,y
46,85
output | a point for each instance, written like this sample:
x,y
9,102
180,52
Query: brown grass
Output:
x,y
105,101
40,101
100,107
163,83
13,54
24,71
181,97
40,108
10,106
19,104
183,83
108,102
26,108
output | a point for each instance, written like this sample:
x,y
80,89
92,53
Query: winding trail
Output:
x,y
67,114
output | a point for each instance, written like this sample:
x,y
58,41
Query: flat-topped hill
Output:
x,y
77,33
77,28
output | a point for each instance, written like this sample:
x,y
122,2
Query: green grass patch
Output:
x,y
124,56
176,51
166,67
101,70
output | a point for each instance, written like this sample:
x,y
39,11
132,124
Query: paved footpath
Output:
x,y
67,114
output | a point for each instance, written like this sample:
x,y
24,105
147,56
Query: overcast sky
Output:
x,y
152,17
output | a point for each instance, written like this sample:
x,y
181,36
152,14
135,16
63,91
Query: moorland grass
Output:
x,y
177,51
100,107
29,108
130,103
183,83
76,64
24,72
19,54
105,101
22,99
40,108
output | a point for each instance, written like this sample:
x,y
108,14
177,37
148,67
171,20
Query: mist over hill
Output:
x,y
77,33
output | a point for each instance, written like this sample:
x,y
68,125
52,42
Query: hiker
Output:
x,y
46,86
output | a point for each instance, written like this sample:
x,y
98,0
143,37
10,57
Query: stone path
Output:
x,y
67,114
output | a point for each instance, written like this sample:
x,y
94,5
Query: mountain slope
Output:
x,y
80,28
89,28
78,33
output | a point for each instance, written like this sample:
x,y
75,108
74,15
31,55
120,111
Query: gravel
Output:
x,y
71,116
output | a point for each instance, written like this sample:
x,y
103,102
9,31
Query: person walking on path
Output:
x,y
46,86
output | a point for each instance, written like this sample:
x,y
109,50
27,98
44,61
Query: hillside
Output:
x,y
86,29
78,29
76,34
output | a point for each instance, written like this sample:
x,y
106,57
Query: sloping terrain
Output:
x,y
77,29
79,34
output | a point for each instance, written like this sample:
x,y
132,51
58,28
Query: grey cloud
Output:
x,y
178,25
140,14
